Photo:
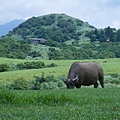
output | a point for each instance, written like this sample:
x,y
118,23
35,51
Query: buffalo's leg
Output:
x,y
78,86
101,79
95,85
102,83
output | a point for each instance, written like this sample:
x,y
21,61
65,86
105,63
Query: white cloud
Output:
x,y
116,24
100,13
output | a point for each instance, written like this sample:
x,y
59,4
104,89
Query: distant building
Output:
x,y
38,40
108,40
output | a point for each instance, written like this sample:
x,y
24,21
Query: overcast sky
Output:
x,y
99,13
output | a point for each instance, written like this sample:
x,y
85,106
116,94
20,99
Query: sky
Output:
x,y
99,13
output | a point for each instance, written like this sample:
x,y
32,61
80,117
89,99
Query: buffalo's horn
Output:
x,y
63,79
74,79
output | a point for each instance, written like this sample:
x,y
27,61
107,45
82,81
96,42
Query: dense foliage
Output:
x,y
30,65
104,35
21,49
4,67
61,28
86,51
12,48
58,27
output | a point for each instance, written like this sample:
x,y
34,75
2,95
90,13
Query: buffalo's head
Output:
x,y
70,83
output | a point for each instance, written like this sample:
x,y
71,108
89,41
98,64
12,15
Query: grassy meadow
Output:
x,y
109,66
86,103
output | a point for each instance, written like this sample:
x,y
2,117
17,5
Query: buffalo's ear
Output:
x,y
64,80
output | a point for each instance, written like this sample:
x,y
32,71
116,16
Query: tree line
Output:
x,y
102,35
86,51
11,48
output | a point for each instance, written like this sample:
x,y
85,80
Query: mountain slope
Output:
x,y
58,27
4,29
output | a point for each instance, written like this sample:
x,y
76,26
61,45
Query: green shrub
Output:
x,y
19,84
36,84
115,81
20,66
52,65
13,67
112,79
30,65
114,75
48,82
48,85
24,65
4,67
4,86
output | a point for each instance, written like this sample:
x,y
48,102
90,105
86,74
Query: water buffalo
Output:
x,y
84,74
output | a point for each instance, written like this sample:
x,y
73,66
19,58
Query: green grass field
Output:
x,y
76,104
111,66
86,103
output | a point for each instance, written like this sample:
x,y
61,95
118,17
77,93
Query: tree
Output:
x,y
14,49
102,36
110,34
118,36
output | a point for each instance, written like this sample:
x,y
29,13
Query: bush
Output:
x,y
112,79
115,81
49,85
48,82
114,75
30,65
24,65
20,66
19,84
4,67
52,65
4,86
13,67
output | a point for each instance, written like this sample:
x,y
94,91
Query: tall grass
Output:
x,y
77,104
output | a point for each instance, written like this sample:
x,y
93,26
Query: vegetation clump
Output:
x,y
11,48
40,83
24,66
113,79
48,82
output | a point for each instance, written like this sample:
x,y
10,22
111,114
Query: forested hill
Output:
x,y
67,38
57,27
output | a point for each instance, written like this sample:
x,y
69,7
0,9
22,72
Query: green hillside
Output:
x,y
62,28
66,38
58,27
